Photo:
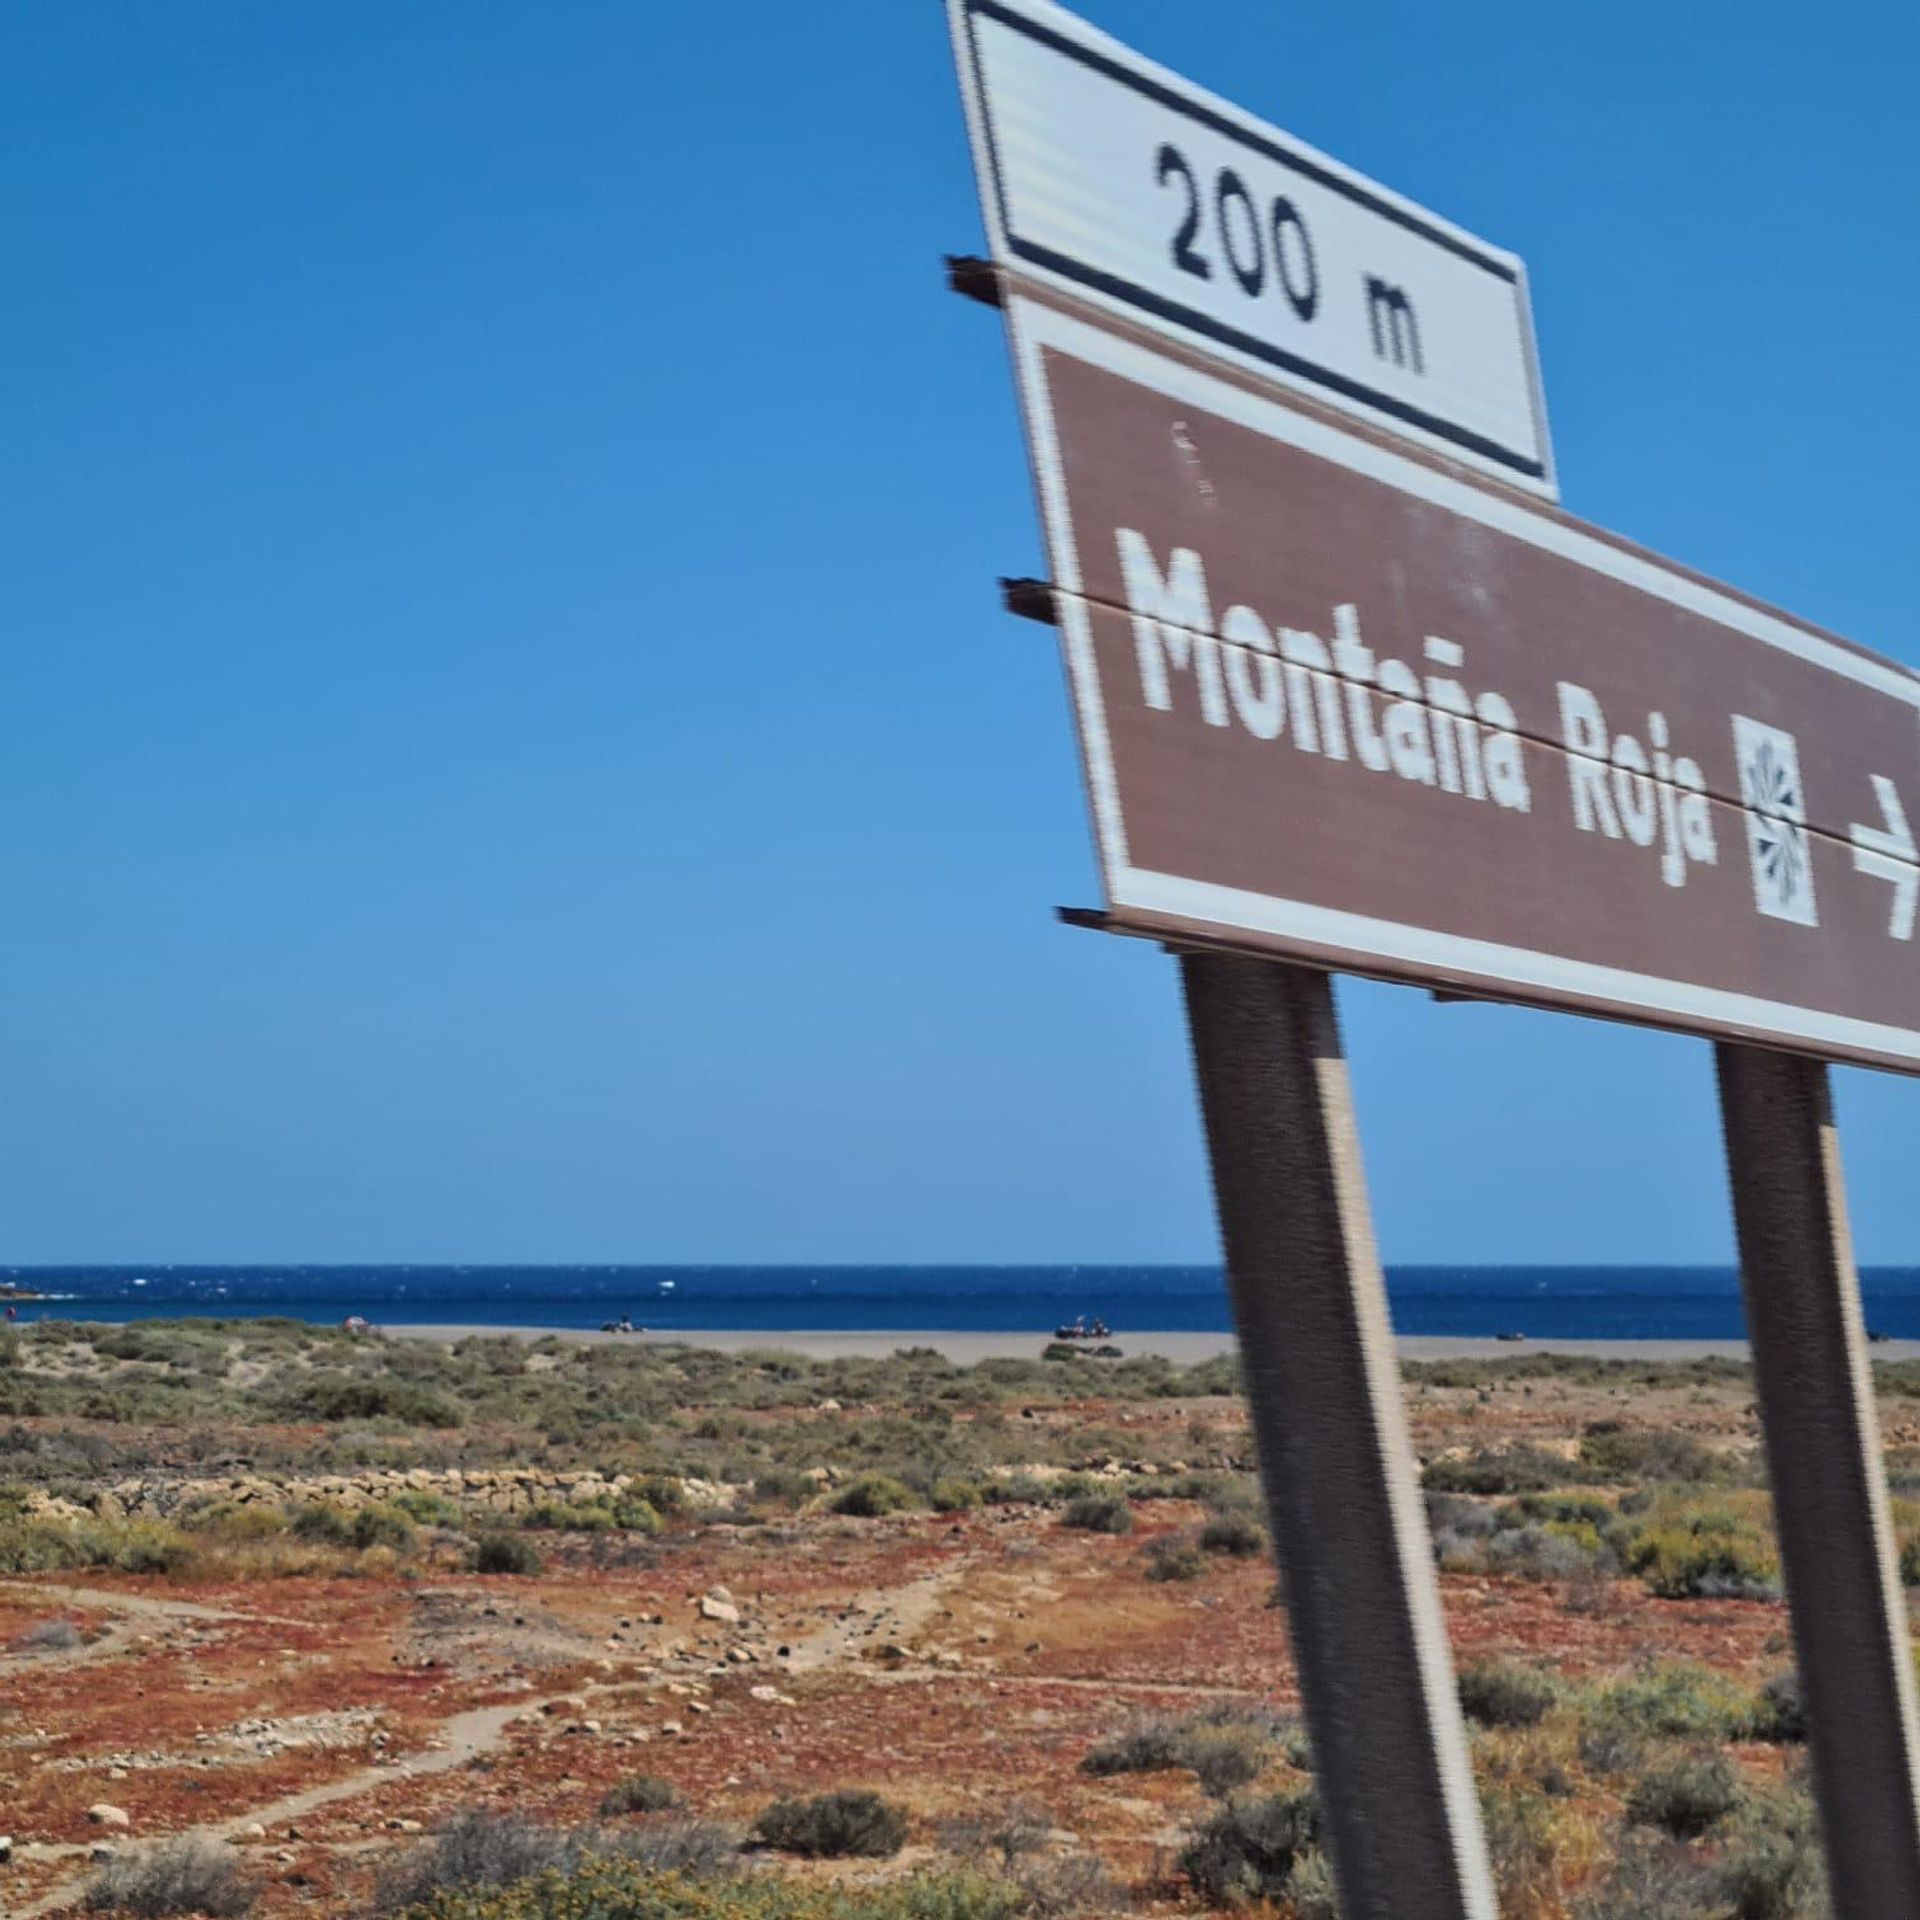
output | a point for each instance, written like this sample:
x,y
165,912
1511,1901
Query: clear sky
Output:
x,y
508,749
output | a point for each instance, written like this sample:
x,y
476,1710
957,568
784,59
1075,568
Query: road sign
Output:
x,y
1343,706
1108,176
1338,705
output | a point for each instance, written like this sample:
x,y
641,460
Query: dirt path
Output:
x,y
878,1613
127,1610
458,1740
477,1731
110,1600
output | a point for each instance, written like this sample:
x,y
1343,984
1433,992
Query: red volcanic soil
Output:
x,y
955,1661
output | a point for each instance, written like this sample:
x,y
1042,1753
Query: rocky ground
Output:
x,y
955,1660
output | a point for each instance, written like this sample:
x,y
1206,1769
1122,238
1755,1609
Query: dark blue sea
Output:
x,y
1697,1303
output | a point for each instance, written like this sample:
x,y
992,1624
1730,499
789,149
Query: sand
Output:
x,y
1185,1349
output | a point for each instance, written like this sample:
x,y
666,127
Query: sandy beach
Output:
x,y
1184,1349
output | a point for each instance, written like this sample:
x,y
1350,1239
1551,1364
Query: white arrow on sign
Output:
x,y
1889,854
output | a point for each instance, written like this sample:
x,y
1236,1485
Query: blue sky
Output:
x,y
508,747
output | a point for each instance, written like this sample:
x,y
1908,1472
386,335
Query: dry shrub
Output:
x,y
58,1635
640,1793
1099,1513
506,1553
1251,1849
189,1875
1174,1559
1684,1794
476,1848
873,1495
850,1822
1498,1693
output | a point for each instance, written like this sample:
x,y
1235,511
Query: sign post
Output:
x,y
1323,1385
1353,695
1815,1387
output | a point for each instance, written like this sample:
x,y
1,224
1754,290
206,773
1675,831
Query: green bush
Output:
x,y
1099,1513
1518,1469
1910,1560
954,1495
663,1492
233,1523
1149,1746
322,1521
1497,1693
506,1553
1641,1456
1653,1879
1780,1713
784,1486
382,1524
427,1508
640,1793
1771,1866
333,1397
566,1516
1237,1534
1677,1700
616,1887
1016,1490
848,1823
873,1495
1576,1510
1225,1747
1684,1795
1252,1849
130,1546
1682,1550
1226,1755
1175,1560
1522,1846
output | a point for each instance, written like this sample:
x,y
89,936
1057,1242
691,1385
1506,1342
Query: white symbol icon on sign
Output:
x,y
1777,842
1888,853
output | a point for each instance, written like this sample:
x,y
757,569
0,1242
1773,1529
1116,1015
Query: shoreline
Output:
x,y
1183,1349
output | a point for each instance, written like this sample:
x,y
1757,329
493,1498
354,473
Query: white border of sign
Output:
x,y
1034,327
1085,263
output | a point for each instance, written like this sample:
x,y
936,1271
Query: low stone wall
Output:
x,y
503,1490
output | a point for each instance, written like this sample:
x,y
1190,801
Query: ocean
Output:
x,y
1645,1303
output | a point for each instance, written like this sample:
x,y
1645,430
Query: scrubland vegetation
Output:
x,y
1643,1785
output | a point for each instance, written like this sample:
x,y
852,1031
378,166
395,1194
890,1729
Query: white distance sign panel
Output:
x,y
1118,181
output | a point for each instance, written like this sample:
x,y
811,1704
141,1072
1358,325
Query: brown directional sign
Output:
x,y
1342,704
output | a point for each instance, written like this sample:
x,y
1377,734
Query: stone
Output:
x,y
103,1813
722,1610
